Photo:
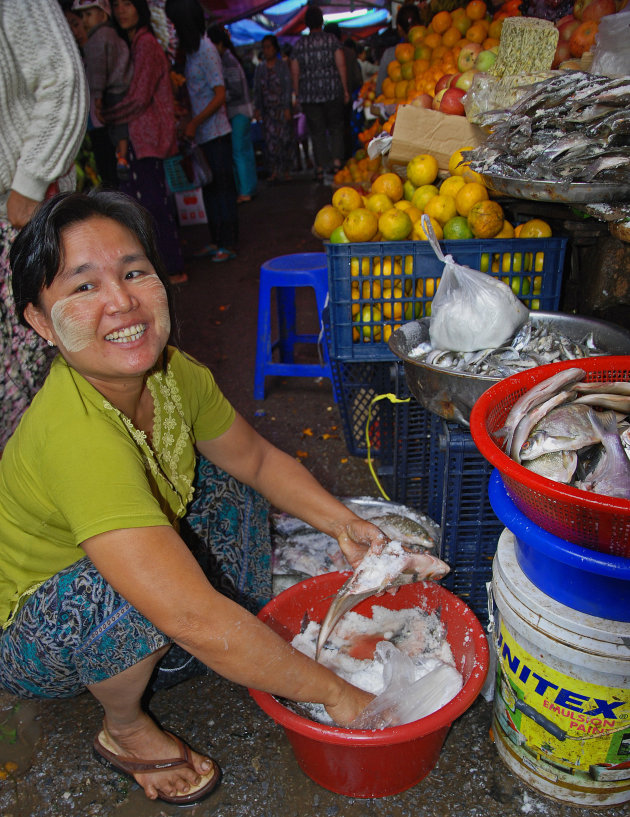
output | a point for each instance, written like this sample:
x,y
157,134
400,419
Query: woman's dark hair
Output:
x,y
408,16
144,17
190,25
217,34
271,38
37,254
313,17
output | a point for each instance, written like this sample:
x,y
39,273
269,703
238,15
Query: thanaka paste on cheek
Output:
x,y
73,323
162,316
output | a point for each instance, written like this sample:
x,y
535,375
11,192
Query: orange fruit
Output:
x,y
452,185
422,52
495,29
457,228
422,195
433,40
414,213
455,168
407,70
476,33
489,43
534,228
419,66
451,36
416,33
404,52
394,225
485,219
400,92
476,9
389,87
418,233
394,71
507,231
442,208
326,220
378,203
441,22
422,169
439,53
360,225
390,184
469,195
346,199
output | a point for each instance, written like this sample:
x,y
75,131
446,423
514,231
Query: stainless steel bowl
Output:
x,y
573,193
452,394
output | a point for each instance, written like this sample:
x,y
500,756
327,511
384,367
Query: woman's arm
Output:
x,y
295,75
242,452
149,68
340,62
212,107
153,569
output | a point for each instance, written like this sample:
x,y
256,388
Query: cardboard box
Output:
x,y
420,130
190,207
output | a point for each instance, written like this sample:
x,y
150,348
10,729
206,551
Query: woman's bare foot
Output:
x,y
145,741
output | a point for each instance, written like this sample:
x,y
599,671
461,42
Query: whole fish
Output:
x,y
558,465
534,397
615,387
565,428
524,427
611,475
384,566
607,400
408,531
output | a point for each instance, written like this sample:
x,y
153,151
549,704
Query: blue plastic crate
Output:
x,y
179,174
459,503
376,286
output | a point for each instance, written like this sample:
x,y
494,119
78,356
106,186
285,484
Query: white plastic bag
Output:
x,y
471,310
611,56
405,699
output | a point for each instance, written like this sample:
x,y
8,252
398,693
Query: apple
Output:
x,y
597,9
566,29
486,59
454,78
566,19
467,56
563,52
437,99
423,101
443,82
451,102
464,81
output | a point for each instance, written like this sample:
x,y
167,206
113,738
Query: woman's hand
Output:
x,y
20,209
349,706
356,536
190,129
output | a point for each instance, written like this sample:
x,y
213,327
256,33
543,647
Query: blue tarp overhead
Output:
x,y
353,17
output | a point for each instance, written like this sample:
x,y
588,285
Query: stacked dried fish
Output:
x,y
531,346
574,432
574,127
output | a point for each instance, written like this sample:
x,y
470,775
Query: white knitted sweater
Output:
x,y
43,97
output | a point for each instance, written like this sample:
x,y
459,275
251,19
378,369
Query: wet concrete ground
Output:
x,y
50,741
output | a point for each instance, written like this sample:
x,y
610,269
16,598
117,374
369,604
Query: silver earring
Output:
x,y
50,343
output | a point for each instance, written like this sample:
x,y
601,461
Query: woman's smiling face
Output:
x,y
106,309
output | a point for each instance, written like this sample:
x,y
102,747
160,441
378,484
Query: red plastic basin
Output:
x,y
364,763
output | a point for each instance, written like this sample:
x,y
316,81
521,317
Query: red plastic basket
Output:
x,y
584,518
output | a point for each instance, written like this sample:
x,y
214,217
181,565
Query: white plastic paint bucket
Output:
x,y
562,697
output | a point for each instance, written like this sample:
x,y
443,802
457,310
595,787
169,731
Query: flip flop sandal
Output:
x,y
208,250
130,766
223,255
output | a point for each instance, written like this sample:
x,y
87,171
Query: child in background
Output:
x,y
108,68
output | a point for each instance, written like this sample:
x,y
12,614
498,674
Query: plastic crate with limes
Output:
x,y
377,286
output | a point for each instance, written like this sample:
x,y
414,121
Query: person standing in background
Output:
x,y
109,70
239,110
272,106
318,69
408,16
43,111
209,127
149,109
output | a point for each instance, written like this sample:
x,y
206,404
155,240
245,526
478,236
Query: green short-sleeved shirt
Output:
x,y
77,467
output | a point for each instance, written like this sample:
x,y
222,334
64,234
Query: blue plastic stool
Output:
x,y
285,273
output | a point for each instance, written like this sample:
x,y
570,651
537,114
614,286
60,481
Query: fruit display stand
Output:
x,y
376,286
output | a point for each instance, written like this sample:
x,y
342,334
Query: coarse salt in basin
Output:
x,y
365,763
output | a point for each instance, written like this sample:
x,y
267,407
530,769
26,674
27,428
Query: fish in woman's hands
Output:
x,y
384,566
